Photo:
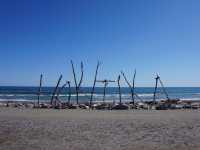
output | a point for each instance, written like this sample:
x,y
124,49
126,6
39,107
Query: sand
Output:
x,y
32,129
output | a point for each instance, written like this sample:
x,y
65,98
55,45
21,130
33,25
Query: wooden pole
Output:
x,y
39,91
133,97
155,90
120,96
78,85
74,74
104,91
95,79
164,90
69,92
55,90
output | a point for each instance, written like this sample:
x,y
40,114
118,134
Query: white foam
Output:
x,y
192,99
145,95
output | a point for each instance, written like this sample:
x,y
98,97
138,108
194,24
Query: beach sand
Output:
x,y
49,129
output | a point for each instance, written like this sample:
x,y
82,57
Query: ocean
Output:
x,y
13,93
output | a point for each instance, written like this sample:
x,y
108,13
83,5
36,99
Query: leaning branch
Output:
x,y
126,79
81,79
59,91
56,88
132,90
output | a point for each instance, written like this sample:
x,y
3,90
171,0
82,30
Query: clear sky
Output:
x,y
154,36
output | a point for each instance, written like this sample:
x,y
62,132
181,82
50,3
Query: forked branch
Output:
x,y
78,85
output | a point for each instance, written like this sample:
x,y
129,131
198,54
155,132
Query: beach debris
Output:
x,y
120,107
93,87
83,106
142,105
29,105
55,90
3,105
186,104
72,106
102,106
78,85
45,105
195,105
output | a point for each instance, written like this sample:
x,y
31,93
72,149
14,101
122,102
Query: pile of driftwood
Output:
x,y
56,103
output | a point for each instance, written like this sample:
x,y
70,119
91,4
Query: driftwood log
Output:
x,y
78,85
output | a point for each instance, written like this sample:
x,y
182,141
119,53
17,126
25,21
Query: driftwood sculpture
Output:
x,y
105,82
132,87
95,80
55,90
78,85
39,90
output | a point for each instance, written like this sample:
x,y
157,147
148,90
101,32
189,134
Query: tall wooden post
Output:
x,y
133,93
119,87
39,91
95,79
155,90
69,92
78,85
104,91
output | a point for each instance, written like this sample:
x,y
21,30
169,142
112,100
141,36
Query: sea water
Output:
x,y
13,93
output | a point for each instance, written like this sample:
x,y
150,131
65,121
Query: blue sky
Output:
x,y
154,36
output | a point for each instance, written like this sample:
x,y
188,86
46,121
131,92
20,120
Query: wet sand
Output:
x,y
50,129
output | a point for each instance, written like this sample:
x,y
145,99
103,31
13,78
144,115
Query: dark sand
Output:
x,y
31,129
